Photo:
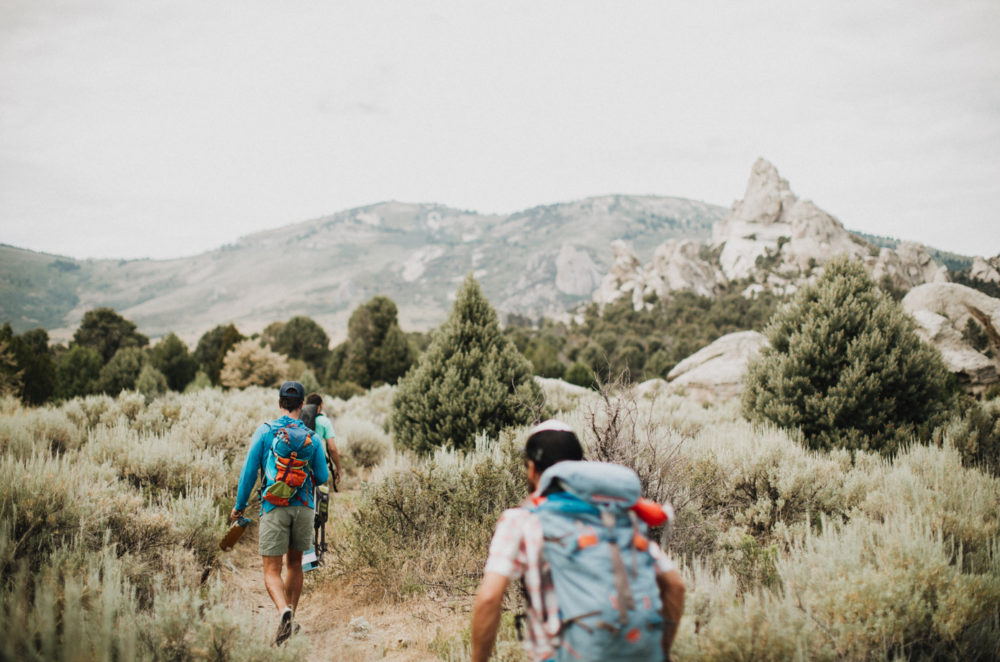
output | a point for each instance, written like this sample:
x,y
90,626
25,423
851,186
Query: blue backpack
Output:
x,y
597,550
287,474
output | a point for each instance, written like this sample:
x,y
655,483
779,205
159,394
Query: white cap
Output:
x,y
551,424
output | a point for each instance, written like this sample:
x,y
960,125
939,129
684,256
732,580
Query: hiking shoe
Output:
x,y
284,626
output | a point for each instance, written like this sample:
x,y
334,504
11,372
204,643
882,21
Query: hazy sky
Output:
x,y
167,128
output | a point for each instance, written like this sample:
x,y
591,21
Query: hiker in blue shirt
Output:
x,y
292,461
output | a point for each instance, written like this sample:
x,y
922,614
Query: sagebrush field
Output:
x,y
111,510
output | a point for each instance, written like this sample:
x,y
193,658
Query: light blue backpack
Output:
x,y
604,576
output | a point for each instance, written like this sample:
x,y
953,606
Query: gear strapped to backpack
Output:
x,y
602,572
286,469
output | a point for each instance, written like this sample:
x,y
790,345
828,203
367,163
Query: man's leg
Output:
x,y
273,583
293,579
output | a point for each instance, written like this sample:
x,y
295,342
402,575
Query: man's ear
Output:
x,y
533,474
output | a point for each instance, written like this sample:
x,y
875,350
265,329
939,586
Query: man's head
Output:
x,y
290,396
315,399
550,442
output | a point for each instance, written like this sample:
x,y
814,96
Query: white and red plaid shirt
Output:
x,y
516,553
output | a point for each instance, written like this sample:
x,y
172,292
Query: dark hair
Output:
x,y
289,403
547,447
314,399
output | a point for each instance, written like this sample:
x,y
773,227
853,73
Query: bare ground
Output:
x,y
404,631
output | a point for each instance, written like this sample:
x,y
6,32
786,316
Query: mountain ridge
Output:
x,y
535,261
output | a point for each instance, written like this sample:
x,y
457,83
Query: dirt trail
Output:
x,y
398,631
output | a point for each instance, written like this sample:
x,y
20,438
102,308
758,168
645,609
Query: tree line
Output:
x,y
108,354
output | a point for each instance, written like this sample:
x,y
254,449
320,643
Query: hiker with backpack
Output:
x,y
291,459
313,416
596,587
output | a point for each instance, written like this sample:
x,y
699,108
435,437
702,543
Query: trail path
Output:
x,y
399,631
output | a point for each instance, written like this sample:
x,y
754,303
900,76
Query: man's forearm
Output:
x,y
485,623
672,594
486,615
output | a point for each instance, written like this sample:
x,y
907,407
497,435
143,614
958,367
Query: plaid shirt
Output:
x,y
516,553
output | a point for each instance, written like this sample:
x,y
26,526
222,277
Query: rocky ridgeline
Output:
x,y
770,239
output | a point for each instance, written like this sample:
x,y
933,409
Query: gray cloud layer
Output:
x,y
159,129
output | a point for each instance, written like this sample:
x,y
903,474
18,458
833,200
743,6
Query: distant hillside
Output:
x,y
953,261
535,262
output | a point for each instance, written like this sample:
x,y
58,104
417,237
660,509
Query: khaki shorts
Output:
x,y
284,527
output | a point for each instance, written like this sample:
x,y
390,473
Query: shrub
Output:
x,y
974,430
846,367
471,379
249,364
580,374
431,524
362,443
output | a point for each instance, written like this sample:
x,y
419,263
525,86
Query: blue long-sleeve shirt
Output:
x,y
260,446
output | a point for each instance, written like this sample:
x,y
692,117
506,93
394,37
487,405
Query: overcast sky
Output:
x,y
167,128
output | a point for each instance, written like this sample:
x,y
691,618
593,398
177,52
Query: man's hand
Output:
x,y
235,515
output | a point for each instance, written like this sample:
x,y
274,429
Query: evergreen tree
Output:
x,y
11,374
376,350
471,379
121,372
213,347
107,332
35,365
78,371
151,382
170,356
846,367
302,338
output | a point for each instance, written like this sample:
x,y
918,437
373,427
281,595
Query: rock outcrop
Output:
x,y
985,270
625,278
771,238
907,266
677,265
715,372
964,324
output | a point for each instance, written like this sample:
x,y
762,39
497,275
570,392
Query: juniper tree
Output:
x,y
471,379
846,367
107,332
170,357
376,349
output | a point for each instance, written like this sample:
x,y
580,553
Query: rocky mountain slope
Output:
x,y
535,262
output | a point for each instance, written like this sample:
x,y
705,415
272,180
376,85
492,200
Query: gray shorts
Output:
x,y
284,527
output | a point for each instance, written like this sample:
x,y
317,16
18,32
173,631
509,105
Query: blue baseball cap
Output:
x,y
292,390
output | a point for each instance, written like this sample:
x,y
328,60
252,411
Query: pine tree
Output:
x,y
471,379
376,350
107,332
846,367
121,372
170,356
